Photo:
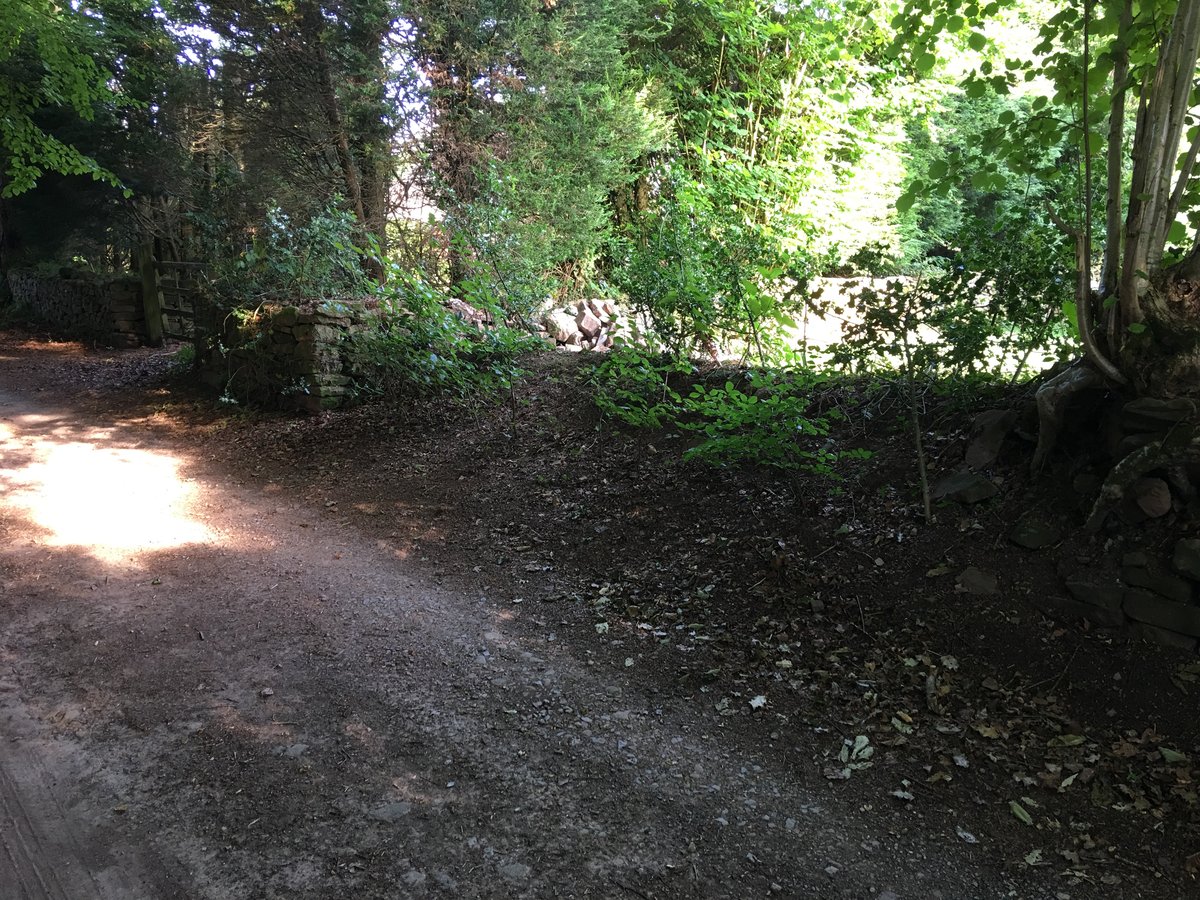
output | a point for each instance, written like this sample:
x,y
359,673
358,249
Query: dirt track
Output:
x,y
212,690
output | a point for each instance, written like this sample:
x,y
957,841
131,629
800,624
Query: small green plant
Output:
x,y
634,388
764,424
184,359
766,421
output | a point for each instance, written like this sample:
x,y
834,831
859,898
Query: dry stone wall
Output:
x,y
1150,592
289,356
107,309
1154,598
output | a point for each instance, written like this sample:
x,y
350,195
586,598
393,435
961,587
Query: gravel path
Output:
x,y
212,690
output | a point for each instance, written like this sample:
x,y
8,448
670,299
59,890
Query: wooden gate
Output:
x,y
174,298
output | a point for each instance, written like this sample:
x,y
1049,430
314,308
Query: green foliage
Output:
x,y
184,359
1105,138
771,108
699,273
504,270
313,259
634,387
945,201
764,420
46,62
536,118
421,348
764,424
984,314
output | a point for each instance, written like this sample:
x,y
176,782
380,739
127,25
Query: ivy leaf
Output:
x,y
1020,812
976,89
1172,757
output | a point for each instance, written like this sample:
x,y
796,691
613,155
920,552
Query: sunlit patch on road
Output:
x,y
113,502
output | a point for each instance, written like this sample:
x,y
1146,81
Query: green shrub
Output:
x,y
700,274
634,387
766,421
764,424
422,348
311,260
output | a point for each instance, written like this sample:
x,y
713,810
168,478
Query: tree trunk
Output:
x,y
1157,332
5,289
327,99
1162,112
368,117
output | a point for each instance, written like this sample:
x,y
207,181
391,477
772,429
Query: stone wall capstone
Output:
x,y
107,309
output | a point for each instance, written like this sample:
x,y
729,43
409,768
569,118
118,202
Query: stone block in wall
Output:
x,y
337,314
290,346
1165,637
328,334
1109,597
1150,609
1069,610
107,309
328,380
1170,586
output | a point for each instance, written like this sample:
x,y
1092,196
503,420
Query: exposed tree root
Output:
x,y
1053,399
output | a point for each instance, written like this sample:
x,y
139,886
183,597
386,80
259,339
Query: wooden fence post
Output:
x,y
151,299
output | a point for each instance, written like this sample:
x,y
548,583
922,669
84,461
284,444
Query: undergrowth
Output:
x,y
421,348
765,418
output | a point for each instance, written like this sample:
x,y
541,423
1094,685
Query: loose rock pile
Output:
x,y
589,325
104,309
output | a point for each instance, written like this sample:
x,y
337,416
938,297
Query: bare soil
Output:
x,y
408,650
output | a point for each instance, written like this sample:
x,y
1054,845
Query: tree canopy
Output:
x,y
702,161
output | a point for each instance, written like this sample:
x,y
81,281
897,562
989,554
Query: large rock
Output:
x,y
1034,534
588,323
1164,637
1108,597
978,582
559,325
1066,610
988,433
1149,414
1153,496
1182,618
597,310
1170,586
477,318
1186,559
965,487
